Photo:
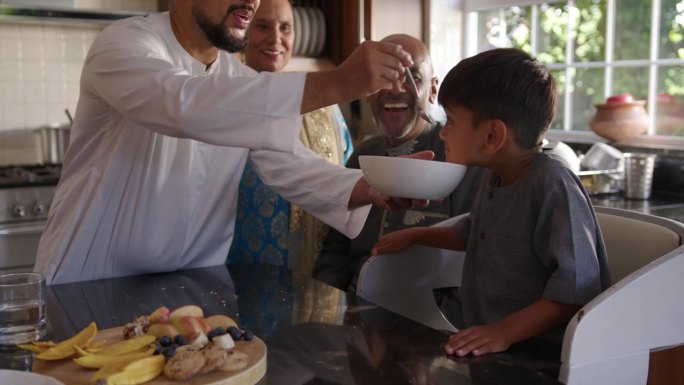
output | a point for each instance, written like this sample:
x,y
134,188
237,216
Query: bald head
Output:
x,y
395,112
415,47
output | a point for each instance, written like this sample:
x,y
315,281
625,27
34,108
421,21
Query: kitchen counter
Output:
x,y
315,334
663,205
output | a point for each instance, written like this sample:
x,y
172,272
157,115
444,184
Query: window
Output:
x,y
595,48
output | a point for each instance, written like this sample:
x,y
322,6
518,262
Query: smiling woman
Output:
x,y
269,229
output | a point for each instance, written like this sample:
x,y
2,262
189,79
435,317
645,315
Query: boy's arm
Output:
x,y
439,237
521,325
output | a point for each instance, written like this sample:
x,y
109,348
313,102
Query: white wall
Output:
x,y
396,16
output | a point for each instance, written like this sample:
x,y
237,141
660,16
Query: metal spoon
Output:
x,y
412,86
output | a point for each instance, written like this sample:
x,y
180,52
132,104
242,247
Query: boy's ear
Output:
x,y
496,136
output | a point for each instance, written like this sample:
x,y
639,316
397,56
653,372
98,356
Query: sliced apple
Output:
x,y
184,311
220,320
206,326
160,330
188,326
160,315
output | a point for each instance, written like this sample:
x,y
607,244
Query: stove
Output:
x,y
30,175
26,193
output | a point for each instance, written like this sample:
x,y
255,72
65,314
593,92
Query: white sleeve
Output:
x,y
130,70
318,186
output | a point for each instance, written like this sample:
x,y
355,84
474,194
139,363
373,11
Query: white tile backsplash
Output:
x,y
40,66
40,71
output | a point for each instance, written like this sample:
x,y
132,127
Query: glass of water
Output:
x,y
22,308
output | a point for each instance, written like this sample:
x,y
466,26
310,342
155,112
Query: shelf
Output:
x,y
33,14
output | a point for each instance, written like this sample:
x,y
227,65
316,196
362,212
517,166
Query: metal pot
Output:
x,y
54,140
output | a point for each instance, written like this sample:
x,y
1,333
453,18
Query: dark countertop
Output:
x,y
663,205
315,334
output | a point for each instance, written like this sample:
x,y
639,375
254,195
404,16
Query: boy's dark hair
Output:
x,y
505,84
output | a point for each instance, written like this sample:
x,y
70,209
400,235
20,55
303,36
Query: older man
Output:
x,y
165,123
403,132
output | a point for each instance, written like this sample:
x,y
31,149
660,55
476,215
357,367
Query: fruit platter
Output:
x,y
180,346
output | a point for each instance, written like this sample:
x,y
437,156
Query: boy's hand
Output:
x,y
393,242
478,340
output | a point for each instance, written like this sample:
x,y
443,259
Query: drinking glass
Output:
x,y
22,308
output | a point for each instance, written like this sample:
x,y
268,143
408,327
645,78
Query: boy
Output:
x,y
534,251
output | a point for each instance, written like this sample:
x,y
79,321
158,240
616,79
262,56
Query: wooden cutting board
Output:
x,y
71,374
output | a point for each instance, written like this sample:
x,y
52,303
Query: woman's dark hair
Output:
x,y
505,84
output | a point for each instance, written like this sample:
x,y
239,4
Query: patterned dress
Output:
x,y
268,229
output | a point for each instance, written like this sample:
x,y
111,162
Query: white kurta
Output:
x,y
157,150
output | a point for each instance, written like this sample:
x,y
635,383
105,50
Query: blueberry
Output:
x,y
165,341
247,335
157,347
211,334
170,351
235,333
220,331
180,340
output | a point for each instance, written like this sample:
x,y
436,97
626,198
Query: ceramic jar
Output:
x,y
620,121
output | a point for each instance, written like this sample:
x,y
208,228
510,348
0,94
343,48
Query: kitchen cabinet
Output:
x,y
349,22
343,33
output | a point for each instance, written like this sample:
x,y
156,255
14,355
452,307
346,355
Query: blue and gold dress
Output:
x,y
268,229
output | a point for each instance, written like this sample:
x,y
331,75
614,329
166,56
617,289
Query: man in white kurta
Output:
x,y
158,145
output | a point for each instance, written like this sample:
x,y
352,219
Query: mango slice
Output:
x,y
36,346
127,346
138,372
108,370
97,361
96,345
32,348
65,349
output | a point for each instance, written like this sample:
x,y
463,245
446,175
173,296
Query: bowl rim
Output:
x,y
404,159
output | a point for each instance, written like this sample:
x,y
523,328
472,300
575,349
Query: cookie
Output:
x,y
235,360
184,364
214,356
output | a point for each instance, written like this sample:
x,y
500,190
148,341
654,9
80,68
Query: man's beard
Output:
x,y
217,34
395,134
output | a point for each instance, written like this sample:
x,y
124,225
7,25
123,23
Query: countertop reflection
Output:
x,y
315,334
663,205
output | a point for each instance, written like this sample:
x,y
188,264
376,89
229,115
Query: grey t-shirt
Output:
x,y
536,238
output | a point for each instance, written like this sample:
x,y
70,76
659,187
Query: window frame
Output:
x,y
649,138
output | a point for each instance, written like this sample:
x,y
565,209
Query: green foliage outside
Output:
x,y
586,23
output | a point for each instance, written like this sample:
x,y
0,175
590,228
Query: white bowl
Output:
x,y
411,178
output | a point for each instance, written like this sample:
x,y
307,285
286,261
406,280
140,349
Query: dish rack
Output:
x,y
602,181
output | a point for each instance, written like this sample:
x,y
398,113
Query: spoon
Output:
x,y
412,86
